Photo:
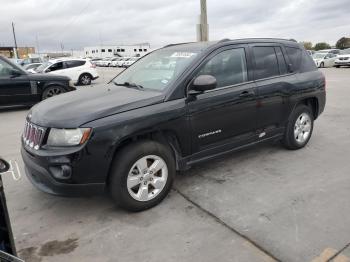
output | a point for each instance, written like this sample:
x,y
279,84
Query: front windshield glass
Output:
x,y
42,67
318,56
157,70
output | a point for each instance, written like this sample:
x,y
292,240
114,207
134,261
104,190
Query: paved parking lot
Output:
x,y
262,204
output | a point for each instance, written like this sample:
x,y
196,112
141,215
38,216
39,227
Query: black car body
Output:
x,y
21,88
198,124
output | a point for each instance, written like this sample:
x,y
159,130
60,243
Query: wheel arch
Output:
x,y
165,137
311,102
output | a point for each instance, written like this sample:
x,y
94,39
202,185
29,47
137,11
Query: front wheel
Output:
x,y
322,65
299,128
142,175
52,91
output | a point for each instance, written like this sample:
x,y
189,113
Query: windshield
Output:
x,y
318,56
41,68
157,70
345,51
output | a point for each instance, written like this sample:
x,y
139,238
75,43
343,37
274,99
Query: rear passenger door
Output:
x,y
74,68
273,80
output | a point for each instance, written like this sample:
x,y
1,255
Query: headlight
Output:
x,y
68,137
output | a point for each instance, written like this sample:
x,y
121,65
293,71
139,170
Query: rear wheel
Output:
x,y
299,128
85,79
337,66
322,64
52,91
141,175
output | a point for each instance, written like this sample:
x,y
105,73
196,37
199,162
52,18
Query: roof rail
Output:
x,y
177,44
293,40
224,40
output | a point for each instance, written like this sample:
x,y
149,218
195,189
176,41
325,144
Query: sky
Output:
x,y
79,23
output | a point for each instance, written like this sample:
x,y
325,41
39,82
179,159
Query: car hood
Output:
x,y
343,56
47,77
73,109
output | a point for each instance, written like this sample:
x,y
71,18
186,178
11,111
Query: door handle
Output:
x,y
247,94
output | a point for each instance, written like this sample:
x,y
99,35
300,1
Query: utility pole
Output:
x,y
203,27
14,37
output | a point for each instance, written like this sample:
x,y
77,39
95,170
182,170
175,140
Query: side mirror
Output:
x,y
203,83
4,166
47,70
15,72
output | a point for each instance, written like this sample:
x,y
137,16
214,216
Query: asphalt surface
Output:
x,y
262,204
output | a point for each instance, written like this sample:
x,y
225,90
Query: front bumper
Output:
x,y
40,176
344,62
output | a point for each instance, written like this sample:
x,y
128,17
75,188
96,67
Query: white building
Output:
x,y
117,50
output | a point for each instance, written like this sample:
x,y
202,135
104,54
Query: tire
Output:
x,y
52,91
131,181
298,134
85,79
322,65
337,66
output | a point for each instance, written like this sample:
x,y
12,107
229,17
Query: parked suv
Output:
x,y
80,71
132,135
20,88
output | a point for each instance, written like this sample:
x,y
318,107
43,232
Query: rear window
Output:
x,y
266,64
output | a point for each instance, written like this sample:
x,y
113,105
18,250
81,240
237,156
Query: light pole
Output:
x,y
14,38
203,27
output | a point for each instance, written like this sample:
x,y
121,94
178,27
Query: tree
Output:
x,y
322,45
307,45
343,43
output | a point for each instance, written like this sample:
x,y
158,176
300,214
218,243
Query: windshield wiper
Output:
x,y
130,85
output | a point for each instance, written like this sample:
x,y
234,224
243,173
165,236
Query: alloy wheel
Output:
x,y
302,128
53,92
147,178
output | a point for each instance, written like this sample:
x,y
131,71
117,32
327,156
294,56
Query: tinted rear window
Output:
x,y
294,55
307,64
70,64
266,64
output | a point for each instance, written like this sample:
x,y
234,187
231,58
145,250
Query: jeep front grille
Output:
x,y
33,135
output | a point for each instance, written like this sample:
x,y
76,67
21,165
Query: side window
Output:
x,y
5,69
307,64
294,55
266,64
228,67
70,64
281,61
57,66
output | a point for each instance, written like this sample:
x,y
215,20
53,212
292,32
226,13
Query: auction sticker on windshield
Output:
x,y
183,54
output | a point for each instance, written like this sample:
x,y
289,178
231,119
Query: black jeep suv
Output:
x,y
20,88
175,107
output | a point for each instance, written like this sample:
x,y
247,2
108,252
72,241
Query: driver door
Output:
x,y
226,117
15,89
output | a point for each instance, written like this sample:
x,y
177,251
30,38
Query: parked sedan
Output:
x,y
21,88
31,67
130,62
121,62
80,71
324,59
104,61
